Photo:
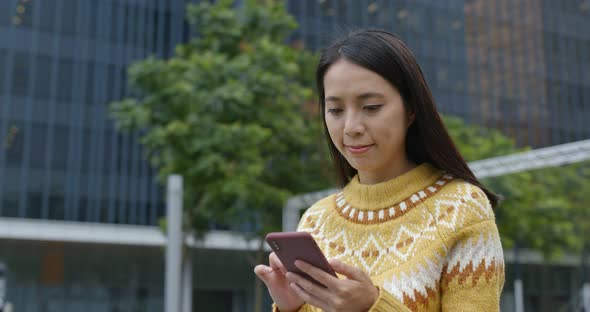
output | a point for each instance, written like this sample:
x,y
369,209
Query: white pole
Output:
x,y
173,244
8,307
187,282
519,304
586,297
518,293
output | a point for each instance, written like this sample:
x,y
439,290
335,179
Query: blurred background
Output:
x,y
101,100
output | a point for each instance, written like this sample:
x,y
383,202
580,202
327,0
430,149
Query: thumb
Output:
x,y
349,271
263,271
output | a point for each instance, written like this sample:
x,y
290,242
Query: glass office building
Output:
x,y
519,66
61,62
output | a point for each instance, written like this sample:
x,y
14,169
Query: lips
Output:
x,y
358,149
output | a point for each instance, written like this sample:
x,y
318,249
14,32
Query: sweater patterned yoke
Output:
x,y
428,241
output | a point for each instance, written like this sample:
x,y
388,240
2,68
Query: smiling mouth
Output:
x,y
358,149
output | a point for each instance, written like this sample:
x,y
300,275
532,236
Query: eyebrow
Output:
x,y
363,96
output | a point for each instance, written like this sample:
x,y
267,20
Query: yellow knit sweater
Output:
x,y
427,240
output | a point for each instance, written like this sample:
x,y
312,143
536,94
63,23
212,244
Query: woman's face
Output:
x,y
366,120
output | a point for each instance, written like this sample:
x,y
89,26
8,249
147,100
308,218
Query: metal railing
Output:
x,y
552,156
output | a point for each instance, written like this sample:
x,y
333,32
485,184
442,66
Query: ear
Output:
x,y
411,118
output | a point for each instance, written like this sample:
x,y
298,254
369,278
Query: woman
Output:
x,y
412,229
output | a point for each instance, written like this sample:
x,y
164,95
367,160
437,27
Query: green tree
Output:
x,y
227,113
546,209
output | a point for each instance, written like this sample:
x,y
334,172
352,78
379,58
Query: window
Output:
x,y
65,80
585,97
441,24
5,10
34,204
293,7
23,14
442,77
586,51
47,15
9,206
415,19
2,68
167,27
90,77
399,16
103,20
13,143
126,23
56,207
333,8
111,83
107,152
382,15
115,21
68,18
37,150
310,8
83,207
123,81
59,149
86,157
20,74
43,77
93,22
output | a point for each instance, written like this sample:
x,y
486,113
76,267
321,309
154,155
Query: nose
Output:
x,y
354,125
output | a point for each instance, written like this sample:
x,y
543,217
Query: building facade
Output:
x,y
522,67
517,66
62,62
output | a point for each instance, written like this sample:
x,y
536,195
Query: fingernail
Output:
x,y
269,270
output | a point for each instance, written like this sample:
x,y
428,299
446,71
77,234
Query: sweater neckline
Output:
x,y
390,199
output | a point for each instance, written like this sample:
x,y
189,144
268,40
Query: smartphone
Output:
x,y
291,246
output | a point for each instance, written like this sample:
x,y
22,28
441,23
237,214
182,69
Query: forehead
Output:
x,y
345,77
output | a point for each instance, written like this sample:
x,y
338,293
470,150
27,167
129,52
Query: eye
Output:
x,y
372,108
334,111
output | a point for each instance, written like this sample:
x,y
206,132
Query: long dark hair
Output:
x,y
427,139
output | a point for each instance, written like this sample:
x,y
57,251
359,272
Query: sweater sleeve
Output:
x,y
473,275
384,303
387,303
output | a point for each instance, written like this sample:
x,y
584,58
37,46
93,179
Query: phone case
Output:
x,y
291,246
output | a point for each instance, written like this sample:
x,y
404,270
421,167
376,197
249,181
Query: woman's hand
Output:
x,y
278,285
355,293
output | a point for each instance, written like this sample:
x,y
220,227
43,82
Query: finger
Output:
x,y
308,285
318,274
263,271
276,264
308,297
349,271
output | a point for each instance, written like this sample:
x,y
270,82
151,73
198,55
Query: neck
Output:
x,y
389,193
374,177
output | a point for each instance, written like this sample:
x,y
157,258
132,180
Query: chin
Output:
x,y
362,167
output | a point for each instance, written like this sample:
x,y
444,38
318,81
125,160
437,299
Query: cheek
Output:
x,y
392,134
333,131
